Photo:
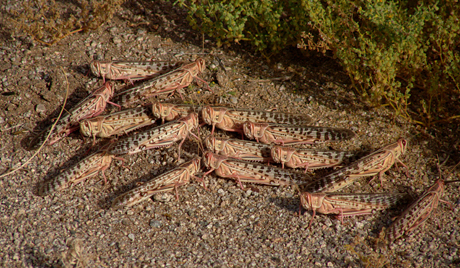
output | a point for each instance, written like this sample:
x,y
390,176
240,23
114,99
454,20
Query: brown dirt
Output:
x,y
224,226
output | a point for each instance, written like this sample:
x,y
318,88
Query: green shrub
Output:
x,y
267,25
394,51
401,53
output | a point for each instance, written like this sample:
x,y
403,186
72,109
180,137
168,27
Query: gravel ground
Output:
x,y
224,226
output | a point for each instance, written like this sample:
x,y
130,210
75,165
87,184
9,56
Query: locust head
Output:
x,y
85,128
281,154
212,160
206,114
191,120
201,64
402,145
312,201
196,165
100,68
213,115
163,111
254,131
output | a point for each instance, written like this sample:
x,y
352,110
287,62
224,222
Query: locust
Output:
x,y
130,70
373,164
233,119
292,134
117,123
157,137
170,111
418,212
91,106
347,204
250,172
166,182
240,149
88,167
164,84
306,158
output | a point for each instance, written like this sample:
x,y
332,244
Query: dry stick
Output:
x,y
15,126
221,64
56,40
50,132
283,78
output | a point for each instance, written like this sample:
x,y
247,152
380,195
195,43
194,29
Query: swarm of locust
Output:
x,y
236,156
228,158
274,138
84,116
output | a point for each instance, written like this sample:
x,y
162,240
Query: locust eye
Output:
x,y
404,142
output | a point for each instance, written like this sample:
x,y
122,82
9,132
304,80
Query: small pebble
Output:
x,y
141,31
40,108
131,236
191,189
190,213
233,100
162,197
155,223
248,193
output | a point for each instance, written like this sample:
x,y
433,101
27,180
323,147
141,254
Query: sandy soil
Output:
x,y
224,226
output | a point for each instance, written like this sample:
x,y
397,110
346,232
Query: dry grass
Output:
x,y
47,22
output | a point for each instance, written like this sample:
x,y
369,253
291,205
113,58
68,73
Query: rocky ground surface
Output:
x,y
224,226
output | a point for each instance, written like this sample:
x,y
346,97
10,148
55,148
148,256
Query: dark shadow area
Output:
x,y
82,69
32,140
291,204
6,31
163,18
53,173
35,258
